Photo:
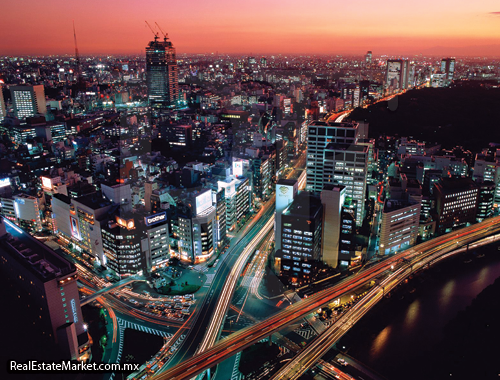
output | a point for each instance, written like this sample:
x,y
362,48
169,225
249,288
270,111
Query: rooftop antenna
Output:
x,y
77,55
155,33
165,35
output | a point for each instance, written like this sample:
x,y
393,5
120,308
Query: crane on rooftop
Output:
x,y
155,33
165,35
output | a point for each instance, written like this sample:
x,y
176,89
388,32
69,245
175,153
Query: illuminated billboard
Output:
x,y
75,228
238,168
128,224
4,182
284,196
203,201
155,218
47,183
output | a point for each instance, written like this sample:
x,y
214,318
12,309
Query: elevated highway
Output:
x,y
401,264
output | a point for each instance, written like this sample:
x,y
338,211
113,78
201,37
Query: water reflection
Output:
x,y
380,342
446,294
483,280
412,314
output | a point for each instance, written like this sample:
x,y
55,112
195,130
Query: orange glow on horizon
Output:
x,y
30,27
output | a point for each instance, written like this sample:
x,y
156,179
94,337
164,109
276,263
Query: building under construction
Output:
x,y
161,72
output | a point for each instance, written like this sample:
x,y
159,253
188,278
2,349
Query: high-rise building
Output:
x,y
3,111
161,73
368,57
397,74
332,198
286,190
448,68
301,233
319,135
49,282
28,101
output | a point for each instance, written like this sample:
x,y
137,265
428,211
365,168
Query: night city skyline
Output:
x,y
249,191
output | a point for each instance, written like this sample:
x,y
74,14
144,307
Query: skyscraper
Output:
x,y
448,67
2,105
28,101
397,74
161,73
368,57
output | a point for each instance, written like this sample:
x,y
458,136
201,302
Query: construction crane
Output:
x,y
155,33
165,35
77,55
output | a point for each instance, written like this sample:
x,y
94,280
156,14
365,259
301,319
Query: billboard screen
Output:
x,y
46,183
75,228
203,201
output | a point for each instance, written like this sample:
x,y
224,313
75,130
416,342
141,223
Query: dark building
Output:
x,y
49,283
161,73
485,200
301,230
456,203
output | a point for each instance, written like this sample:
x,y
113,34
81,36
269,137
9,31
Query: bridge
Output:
x,y
387,273
108,289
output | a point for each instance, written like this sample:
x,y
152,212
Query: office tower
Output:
x,y
161,73
448,68
397,74
286,190
399,227
301,233
3,111
135,243
49,282
28,101
368,57
332,198
485,200
319,135
456,203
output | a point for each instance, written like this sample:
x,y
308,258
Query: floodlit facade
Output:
x,y
28,101
399,228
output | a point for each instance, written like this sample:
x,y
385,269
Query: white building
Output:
x,y
28,101
399,228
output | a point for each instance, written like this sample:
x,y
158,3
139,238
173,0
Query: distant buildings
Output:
x,y
28,101
3,111
448,68
161,73
397,74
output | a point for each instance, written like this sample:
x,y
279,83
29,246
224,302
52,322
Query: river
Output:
x,y
397,337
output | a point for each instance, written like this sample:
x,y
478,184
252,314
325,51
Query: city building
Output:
x,y
49,284
286,190
301,234
332,198
456,203
399,226
319,135
448,68
161,73
136,243
397,74
28,101
3,110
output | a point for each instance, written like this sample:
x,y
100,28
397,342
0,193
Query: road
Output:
x,y
423,253
206,326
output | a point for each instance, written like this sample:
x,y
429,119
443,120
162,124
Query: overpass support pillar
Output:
x,y
270,340
208,374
